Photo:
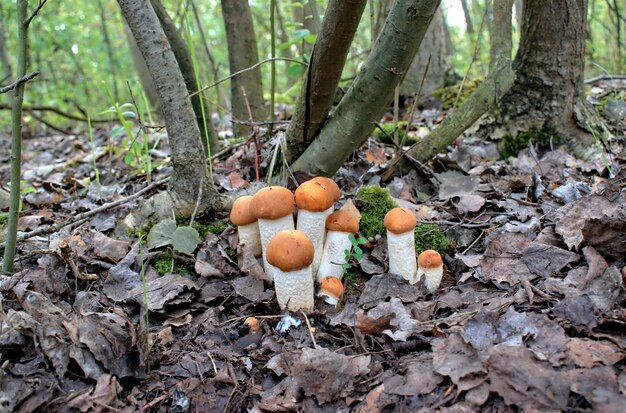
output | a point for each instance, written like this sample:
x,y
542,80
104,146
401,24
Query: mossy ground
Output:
x,y
386,137
163,264
448,94
511,146
376,202
430,237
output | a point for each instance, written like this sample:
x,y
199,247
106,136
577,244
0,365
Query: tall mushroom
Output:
x,y
247,226
339,225
273,207
313,201
431,265
400,224
290,255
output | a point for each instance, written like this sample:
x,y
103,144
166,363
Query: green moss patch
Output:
x,y
511,146
430,237
376,202
163,264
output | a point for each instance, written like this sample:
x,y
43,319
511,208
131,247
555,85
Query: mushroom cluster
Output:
x,y
313,250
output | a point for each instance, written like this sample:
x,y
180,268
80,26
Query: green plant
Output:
x,y
448,94
4,218
354,254
138,154
164,263
375,203
183,239
430,237
511,146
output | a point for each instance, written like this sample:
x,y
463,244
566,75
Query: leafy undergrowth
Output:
x,y
530,315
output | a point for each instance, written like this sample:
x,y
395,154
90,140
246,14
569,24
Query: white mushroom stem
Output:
x,y
268,228
334,255
402,259
313,224
432,277
250,237
294,289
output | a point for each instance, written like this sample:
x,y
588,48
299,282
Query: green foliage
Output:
x,y
430,237
141,232
376,202
511,146
448,94
386,135
184,239
203,229
164,263
4,218
354,254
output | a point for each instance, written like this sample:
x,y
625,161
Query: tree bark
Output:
x,y
200,105
368,97
434,47
323,74
243,53
190,172
548,90
485,96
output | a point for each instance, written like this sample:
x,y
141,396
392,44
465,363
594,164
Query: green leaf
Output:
x,y
185,239
310,39
116,131
129,115
161,234
358,251
129,158
295,70
362,240
301,33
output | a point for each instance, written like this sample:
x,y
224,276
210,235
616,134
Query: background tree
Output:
x,y
323,74
183,56
242,54
190,176
370,93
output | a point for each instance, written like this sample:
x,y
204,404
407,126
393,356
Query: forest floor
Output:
x,y
530,315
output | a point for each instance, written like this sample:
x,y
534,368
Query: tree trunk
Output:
x,y
243,53
485,96
468,17
147,83
200,105
190,171
434,47
323,74
548,89
368,97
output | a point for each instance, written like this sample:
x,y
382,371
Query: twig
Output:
x,y
310,329
56,227
4,106
252,134
18,82
32,16
247,70
208,353
605,76
195,209
66,254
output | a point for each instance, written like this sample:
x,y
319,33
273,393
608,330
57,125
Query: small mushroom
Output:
x,y
431,265
273,207
290,255
400,224
331,289
247,226
339,225
253,324
313,201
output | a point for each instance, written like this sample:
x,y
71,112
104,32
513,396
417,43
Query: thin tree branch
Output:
x,y
4,106
18,82
247,69
32,16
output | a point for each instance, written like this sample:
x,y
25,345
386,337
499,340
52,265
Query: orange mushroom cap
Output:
x,y
331,287
290,250
240,212
400,220
330,186
313,196
343,221
272,202
429,259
